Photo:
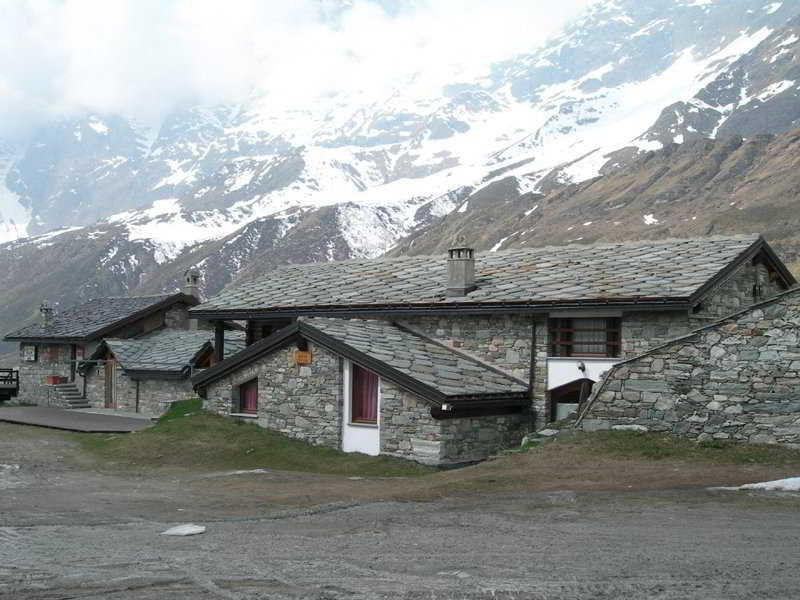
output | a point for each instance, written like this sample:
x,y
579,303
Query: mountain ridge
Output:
x,y
239,190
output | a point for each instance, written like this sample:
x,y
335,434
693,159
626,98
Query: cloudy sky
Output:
x,y
141,58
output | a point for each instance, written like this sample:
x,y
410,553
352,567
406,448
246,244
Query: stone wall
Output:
x,y
644,330
738,379
540,405
51,359
408,430
503,340
177,317
155,395
301,401
736,293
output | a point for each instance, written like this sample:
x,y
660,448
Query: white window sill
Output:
x,y
244,415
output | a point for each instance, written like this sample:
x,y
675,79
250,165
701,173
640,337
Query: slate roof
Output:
x,y
94,318
413,361
622,272
168,350
428,362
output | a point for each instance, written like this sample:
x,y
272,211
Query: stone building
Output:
x,y
146,374
446,360
735,379
51,349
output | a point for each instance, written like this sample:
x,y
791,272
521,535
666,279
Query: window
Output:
x,y
248,397
29,353
598,336
363,396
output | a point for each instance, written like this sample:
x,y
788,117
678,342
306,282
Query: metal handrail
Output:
x,y
9,377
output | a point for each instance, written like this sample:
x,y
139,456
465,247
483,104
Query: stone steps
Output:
x,y
69,394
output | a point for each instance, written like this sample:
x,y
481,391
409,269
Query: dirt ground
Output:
x,y
516,528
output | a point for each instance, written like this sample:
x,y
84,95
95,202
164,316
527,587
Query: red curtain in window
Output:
x,y
364,396
249,397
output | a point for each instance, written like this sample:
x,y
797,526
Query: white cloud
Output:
x,y
143,57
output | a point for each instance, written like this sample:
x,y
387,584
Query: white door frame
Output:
x,y
358,437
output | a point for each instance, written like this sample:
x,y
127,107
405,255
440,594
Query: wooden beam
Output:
x,y
219,341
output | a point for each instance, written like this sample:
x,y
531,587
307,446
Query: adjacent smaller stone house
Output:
x,y
51,349
431,403
147,373
736,379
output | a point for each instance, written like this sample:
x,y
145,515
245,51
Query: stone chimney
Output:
x,y
460,270
45,315
191,283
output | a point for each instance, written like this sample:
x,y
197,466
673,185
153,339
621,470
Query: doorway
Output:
x,y
111,382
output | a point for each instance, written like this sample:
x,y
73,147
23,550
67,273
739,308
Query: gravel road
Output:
x,y
71,532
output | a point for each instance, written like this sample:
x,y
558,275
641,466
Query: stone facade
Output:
x,y
738,379
50,360
504,341
643,330
147,396
750,283
540,405
306,402
300,401
408,430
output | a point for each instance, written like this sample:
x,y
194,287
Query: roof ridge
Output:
x,y
531,250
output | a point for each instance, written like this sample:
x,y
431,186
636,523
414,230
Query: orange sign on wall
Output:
x,y
302,357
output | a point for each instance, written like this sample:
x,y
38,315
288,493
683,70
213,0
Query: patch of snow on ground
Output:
x,y
100,127
775,89
773,8
791,484
650,220
497,246
43,240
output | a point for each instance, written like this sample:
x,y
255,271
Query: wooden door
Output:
x,y
248,394
111,381
73,357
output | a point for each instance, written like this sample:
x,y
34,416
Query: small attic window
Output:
x,y
758,291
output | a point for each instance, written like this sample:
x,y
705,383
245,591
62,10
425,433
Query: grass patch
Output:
x,y
188,437
659,446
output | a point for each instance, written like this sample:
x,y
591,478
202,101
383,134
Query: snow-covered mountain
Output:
x,y
238,189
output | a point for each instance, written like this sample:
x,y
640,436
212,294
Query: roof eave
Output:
x,y
303,330
648,303
100,333
156,374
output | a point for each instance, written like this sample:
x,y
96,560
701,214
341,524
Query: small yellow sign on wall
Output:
x,y
302,357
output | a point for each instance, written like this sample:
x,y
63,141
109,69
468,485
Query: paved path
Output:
x,y
72,420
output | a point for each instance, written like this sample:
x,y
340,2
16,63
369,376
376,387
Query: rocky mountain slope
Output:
x,y
628,89
701,187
